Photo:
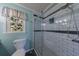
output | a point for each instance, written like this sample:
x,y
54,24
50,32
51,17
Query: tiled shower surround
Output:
x,y
59,43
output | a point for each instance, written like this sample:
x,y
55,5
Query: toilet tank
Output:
x,y
19,43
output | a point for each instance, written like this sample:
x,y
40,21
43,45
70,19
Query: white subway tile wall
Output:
x,y
60,43
55,43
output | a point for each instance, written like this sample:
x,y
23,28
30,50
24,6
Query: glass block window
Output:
x,y
15,20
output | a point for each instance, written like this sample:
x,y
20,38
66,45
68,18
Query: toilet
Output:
x,y
19,45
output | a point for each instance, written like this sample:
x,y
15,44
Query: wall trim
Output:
x,y
58,31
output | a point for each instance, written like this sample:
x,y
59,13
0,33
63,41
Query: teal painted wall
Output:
x,y
8,38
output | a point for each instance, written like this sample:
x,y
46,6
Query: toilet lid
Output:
x,y
19,52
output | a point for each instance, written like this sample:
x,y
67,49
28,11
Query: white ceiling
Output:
x,y
36,6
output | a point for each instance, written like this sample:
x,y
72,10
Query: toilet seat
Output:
x,y
19,52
